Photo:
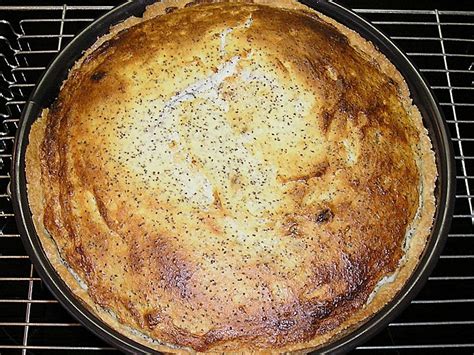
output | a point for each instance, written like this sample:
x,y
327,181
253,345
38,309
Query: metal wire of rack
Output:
x,y
439,320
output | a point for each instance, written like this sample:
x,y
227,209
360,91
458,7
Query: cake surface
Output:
x,y
232,176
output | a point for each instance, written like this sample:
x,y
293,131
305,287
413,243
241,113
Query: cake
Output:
x,y
232,177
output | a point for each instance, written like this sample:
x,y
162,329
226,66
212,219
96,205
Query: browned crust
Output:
x,y
386,292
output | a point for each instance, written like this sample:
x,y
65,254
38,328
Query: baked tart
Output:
x,y
232,176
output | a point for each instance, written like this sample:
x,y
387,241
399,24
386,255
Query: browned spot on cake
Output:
x,y
353,272
322,274
97,294
326,119
84,260
290,227
324,216
137,258
173,270
98,75
346,108
313,66
136,314
153,318
298,192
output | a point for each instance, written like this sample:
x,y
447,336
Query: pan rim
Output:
x,y
419,90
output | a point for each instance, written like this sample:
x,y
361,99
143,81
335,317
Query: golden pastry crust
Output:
x,y
222,182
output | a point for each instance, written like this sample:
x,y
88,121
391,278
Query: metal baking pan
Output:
x,y
47,90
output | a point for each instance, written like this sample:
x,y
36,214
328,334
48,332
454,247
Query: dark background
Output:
x,y
439,321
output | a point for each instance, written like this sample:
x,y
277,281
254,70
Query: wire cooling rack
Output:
x,y
439,42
